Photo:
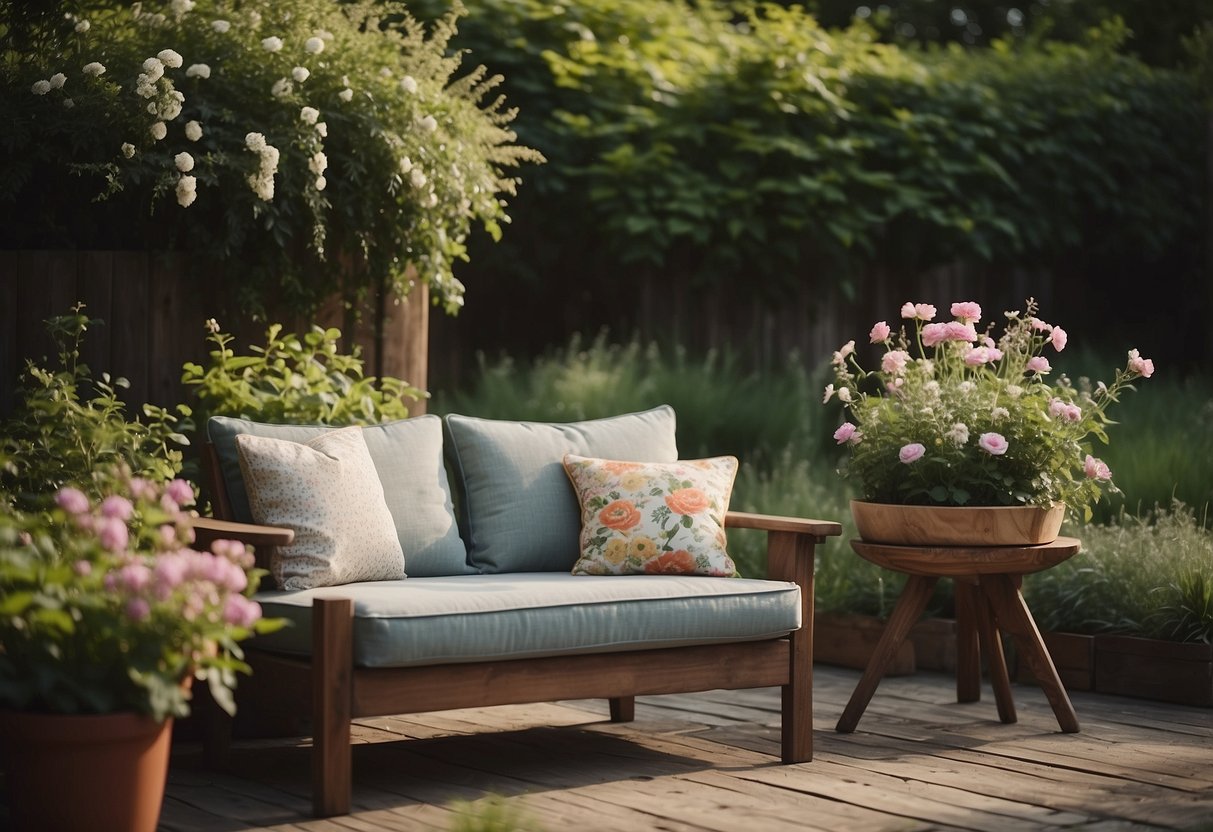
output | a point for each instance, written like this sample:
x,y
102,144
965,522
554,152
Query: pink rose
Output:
x,y
83,568
135,577
240,611
933,334
1056,406
71,500
977,356
966,312
181,491
956,331
894,361
112,534
1096,469
1038,364
879,333
993,443
1040,326
1144,367
840,357
847,433
924,311
1058,338
907,310
911,453
115,506
138,609
1072,413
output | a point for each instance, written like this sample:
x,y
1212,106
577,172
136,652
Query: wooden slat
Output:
x,y
10,361
129,342
95,289
591,676
208,529
175,319
816,528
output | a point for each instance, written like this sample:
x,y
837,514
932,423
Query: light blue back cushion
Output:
x,y
408,458
517,510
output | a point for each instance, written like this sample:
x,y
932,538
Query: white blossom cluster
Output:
x,y
262,182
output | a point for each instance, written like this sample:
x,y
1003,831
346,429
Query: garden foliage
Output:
x,y
317,145
749,142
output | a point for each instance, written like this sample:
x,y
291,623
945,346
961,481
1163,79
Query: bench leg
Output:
x,y
332,704
623,708
968,655
790,558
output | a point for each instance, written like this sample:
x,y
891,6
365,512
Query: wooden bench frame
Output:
x,y
330,690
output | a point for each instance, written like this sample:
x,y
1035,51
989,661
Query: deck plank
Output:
x,y
707,762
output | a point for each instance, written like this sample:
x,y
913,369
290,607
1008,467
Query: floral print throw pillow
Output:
x,y
653,517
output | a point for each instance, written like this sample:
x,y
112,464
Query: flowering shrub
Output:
x,y
301,139
105,608
955,416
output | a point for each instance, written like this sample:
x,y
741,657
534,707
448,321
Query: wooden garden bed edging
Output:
x,y
1153,669
847,640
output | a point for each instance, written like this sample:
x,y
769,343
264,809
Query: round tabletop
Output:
x,y
950,561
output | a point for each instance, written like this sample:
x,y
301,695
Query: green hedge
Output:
x,y
694,138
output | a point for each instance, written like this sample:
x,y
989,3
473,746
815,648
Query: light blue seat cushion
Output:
x,y
408,458
517,510
469,618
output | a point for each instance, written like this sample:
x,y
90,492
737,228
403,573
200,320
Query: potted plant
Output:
x,y
960,438
106,620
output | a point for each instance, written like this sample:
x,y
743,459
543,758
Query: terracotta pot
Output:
x,y
957,525
98,772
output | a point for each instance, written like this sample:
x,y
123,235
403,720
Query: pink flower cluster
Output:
x,y
196,586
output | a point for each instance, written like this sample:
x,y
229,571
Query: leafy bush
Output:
x,y
69,428
1149,574
294,379
310,142
690,140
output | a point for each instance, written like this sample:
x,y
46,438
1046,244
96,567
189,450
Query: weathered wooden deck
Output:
x,y
918,761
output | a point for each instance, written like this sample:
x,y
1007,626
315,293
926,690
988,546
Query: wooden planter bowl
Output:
x,y
957,525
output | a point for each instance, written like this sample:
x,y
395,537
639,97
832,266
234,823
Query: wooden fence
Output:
x,y
154,307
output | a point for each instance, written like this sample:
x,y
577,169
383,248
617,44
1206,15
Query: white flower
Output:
x,y
966,387
262,185
58,80
844,395
83,26
1014,391
829,393
254,18
184,162
1000,413
153,69
346,94
220,26
308,115
406,164
417,178
959,434
321,183
180,7
193,131
385,72
272,44
68,103
322,129
255,142
128,149
429,124
187,191
314,46
95,68
301,73
40,87
319,163
145,86
153,108
345,80
198,71
409,84
432,200
170,58
170,107
158,130
281,87
269,158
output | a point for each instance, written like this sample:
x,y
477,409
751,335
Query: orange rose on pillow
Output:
x,y
653,518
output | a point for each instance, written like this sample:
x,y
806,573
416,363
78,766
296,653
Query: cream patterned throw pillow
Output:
x,y
327,491
653,517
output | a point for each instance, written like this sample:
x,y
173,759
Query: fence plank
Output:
x,y
129,327
95,287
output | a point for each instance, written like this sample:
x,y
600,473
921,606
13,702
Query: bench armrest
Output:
x,y
208,530
773,523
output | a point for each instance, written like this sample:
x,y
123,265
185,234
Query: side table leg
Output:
x,y
909,608
1015,618
991,648
968,657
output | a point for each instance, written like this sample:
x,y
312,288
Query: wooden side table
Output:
x,y
988,600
